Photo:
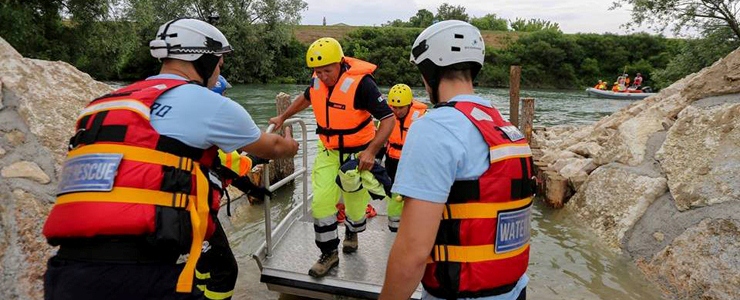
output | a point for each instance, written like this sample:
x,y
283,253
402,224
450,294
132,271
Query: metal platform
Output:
x,y
289,251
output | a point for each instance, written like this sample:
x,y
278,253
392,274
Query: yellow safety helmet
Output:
x,y
324,51
400,95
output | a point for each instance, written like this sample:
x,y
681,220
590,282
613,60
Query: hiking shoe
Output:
x,y
370,211
324,264
349,244
340,213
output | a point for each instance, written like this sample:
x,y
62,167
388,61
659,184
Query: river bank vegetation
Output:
x,y
109,40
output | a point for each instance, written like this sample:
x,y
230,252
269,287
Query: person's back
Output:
x,y
136,230
462,161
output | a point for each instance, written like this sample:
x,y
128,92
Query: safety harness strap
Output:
x,y
482,210
470,254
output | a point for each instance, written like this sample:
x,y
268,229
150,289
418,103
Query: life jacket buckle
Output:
x,y
75,140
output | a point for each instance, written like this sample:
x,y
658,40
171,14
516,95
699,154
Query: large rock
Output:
x,y
26,169
700,155
702,263
722,78
23,248
41,101
49,95
613,198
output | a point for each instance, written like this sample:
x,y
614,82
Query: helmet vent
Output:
x,y
318,58
459,36
456,49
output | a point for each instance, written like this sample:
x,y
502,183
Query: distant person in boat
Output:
x,y
135,229
638,81
626,80
345,99
601,85
465,171
616,86
407,110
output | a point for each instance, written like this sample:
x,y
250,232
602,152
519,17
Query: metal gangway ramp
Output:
x,y
289,250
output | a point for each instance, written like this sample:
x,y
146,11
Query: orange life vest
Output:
x,y
340,125
482,245
120,172
398,135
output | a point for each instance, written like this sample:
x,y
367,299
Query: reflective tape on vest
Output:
x,y
509,151
132,105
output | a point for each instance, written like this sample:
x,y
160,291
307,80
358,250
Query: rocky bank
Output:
x,y
39,103
660,180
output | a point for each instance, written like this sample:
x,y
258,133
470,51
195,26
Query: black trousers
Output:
x,y
82,280
217,270
391,166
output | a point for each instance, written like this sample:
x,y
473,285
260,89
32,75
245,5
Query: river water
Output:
x,y
567,261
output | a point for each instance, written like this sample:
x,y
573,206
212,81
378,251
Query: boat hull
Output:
x,y
614,95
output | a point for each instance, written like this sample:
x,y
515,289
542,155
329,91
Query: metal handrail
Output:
x,y
284,181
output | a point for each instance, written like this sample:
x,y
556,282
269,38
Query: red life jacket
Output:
x,y
120,174
482,245
398,135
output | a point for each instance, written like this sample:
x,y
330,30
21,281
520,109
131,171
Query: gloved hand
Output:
x,y
245,185
257,160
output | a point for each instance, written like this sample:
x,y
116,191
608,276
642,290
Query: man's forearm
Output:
x,y
402,275
299,104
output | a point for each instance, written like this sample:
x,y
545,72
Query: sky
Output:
x,y
587,16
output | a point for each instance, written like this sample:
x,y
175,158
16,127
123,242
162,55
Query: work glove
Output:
x,y
245,185
257,160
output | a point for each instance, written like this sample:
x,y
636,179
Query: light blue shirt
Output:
x,y
201,118
442,147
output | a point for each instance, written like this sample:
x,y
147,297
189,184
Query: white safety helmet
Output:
x,y
444,44
188,40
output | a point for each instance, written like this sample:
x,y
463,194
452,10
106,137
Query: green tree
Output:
x,y
422,19
388,48
449,12
397,23
694,55
490,22
680,14
532,25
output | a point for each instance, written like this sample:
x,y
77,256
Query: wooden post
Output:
x,y
514,82
557,190
281,168
527,121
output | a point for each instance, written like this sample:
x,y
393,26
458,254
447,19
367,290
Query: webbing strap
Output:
x,y
199,220
129,195
136,154
331,131
470,254
482,210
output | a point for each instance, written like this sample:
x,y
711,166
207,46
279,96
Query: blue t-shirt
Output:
x,y
201,118
442,147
